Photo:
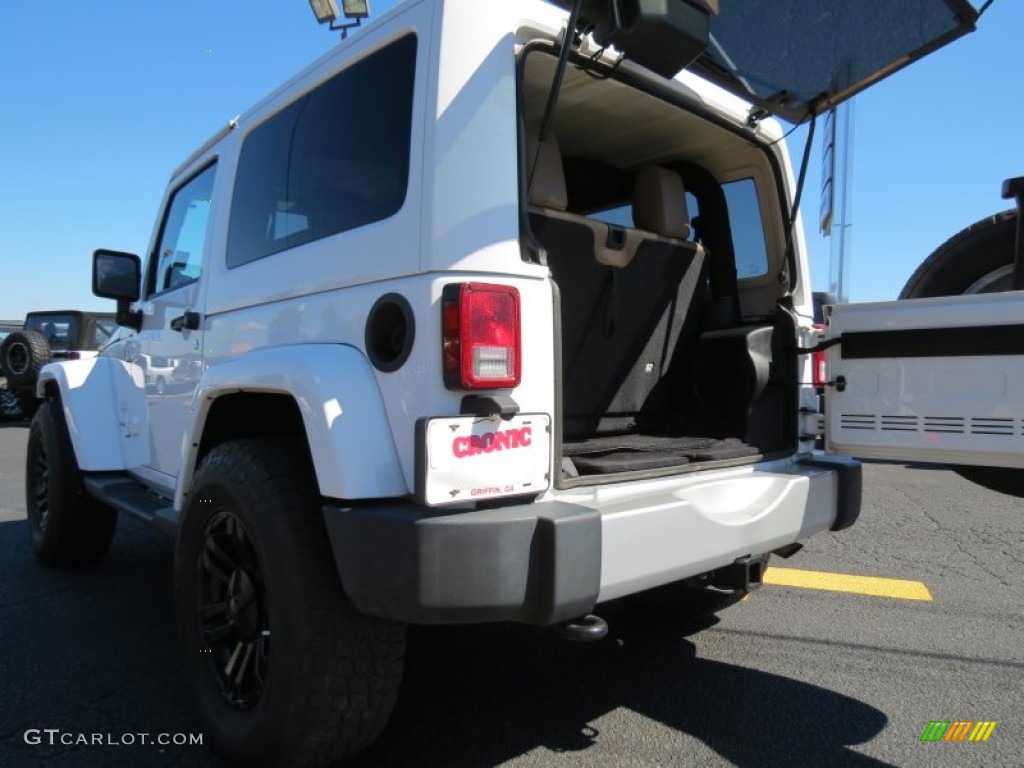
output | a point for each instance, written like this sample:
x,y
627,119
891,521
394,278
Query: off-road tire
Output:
x,y
984,248
978,259
66,525
329,675
22,356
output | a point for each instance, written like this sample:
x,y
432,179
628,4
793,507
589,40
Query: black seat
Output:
x,y
625,316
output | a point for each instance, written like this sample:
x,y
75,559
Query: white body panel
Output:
x,y
958,409
663,531
470,218
414,391
346,426
104,403
169,409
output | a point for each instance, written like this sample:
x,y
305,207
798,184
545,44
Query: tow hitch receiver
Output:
x,y
743,575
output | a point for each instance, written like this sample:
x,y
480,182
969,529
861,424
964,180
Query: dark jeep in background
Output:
x,y
44,337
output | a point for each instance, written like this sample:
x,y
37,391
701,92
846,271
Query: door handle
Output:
x,y
188,322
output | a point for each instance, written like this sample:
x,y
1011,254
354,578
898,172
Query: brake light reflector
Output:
x,y
819,369
480,329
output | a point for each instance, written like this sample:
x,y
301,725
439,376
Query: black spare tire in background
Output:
x,y
979,259
22,356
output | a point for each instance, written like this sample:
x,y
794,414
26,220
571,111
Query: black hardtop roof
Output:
x,y
79,313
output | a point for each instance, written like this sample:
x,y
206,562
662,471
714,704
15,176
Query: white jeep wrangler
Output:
x,y
474,320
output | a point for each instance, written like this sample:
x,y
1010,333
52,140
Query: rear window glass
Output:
x,y
58,330
747,228
334,160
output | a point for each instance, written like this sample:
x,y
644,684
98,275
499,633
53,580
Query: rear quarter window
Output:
x,y
747,228
335,159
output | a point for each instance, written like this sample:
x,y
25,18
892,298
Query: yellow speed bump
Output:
x,y
898,589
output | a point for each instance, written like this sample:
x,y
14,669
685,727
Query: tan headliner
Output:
x,y
626,128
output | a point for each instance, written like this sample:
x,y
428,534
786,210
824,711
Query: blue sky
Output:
x,y
104,100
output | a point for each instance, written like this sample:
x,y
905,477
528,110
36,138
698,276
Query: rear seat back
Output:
x,y
627,296
659,205
550,219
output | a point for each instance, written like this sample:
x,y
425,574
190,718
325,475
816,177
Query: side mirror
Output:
x,y
116,275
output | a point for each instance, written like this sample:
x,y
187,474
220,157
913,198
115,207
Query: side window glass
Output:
x,y
747,228
179,256
102,332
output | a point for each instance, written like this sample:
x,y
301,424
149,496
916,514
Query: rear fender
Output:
x,y
342,410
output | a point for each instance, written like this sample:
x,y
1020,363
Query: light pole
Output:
x,y
326,12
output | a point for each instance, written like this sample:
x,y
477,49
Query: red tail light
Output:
x,y
481,337
819,371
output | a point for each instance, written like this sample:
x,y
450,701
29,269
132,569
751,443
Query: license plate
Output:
x,y
468,458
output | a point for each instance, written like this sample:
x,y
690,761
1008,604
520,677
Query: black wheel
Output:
x,y
22,356
282,667
977,260
67,526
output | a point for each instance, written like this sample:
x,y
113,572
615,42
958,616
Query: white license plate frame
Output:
x,y
471,458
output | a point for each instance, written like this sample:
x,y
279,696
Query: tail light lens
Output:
x,y
819,372
481,336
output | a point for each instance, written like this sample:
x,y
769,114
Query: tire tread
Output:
x,y
39,355
80,527
352,664
949,258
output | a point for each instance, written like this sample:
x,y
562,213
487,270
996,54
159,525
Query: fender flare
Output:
x,y
335,388
104,404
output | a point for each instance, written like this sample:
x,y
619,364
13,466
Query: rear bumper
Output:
x,y
552,561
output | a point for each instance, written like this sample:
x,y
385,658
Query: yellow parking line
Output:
x,y
900,589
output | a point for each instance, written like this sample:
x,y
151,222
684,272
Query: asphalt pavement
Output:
x,y
791,677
